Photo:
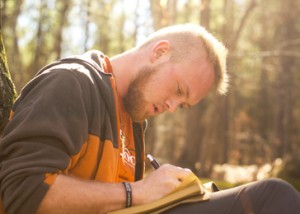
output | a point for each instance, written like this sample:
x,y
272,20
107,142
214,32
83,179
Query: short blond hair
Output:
x,y
184,38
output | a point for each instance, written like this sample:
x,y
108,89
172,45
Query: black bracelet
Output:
x,y
128,191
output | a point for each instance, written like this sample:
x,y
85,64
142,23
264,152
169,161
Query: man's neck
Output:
x,y
125,67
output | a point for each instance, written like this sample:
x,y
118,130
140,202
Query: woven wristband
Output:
x,y
128,191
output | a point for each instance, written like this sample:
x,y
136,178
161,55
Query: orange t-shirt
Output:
x,y
126,140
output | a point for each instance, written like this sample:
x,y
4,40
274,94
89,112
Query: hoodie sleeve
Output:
x,y
48,126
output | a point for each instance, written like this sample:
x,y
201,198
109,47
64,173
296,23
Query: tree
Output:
x,y
40,44
7,88
287,31
9,14
63,8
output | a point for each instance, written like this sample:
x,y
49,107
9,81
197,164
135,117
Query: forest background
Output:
x,y
249,134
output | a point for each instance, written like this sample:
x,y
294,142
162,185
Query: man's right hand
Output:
x,y
158,184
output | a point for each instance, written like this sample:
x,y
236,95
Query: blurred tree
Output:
x,y
40,44
286,31
121,23
104,30
159,14
231,36
3,12
264,113
208,140
87,22
60,23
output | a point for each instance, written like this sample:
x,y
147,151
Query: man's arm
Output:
x,y
48,127
72,195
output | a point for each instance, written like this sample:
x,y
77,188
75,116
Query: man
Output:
x,y
74,143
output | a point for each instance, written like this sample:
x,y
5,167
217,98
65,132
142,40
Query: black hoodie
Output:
x,y
64,120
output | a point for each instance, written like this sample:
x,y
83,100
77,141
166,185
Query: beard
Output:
x,y
134,101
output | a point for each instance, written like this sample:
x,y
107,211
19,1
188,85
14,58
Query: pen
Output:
x,y
153,161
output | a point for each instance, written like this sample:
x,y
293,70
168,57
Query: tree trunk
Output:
x,y
11,35
265,106
7,88
156,13
104,38
231,37
63,8
285,88
159,13
196,129
121,27
3,14
205,13
40,53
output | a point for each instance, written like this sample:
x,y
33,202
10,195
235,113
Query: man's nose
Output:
x,y
171,105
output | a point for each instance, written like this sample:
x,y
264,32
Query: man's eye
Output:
x,y
183,105
179,91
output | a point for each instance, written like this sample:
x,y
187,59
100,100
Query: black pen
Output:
x,y
153,161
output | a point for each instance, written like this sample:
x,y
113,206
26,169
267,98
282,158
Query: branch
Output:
x,y
264,54
287,43
242,24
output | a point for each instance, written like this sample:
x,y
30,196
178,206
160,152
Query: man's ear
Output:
x,y
161,48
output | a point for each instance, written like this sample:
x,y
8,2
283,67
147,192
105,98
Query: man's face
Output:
x,y
134,101
166,87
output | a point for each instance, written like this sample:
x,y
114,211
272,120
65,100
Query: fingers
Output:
x,y
174,171
188,170
159,183
184,173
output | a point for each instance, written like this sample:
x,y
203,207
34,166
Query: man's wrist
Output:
x,y
138,193
128,192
